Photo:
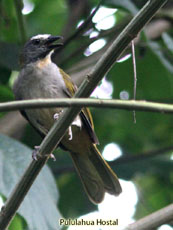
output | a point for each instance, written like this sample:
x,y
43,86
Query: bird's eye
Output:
x,y
36,41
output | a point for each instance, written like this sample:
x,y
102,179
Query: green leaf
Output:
x,y
150,70
39,207
18,223
5,94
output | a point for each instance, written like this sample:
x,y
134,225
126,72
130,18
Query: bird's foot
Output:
x,y
35,153
52,157
56,116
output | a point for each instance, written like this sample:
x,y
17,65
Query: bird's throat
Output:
x,y
41,63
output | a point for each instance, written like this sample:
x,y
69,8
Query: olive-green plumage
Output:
x,y
41,78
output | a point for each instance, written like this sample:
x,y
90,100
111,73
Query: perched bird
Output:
x,y
41,78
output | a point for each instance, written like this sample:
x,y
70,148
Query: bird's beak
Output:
x,y
50,42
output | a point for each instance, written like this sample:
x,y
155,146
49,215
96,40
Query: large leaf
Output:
x,y
150,70
39,207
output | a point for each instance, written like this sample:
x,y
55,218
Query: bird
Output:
x,y
40,77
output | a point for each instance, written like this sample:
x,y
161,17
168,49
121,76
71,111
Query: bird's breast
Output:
x,y
39,83
43,63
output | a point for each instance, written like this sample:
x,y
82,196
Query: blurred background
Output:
x,y
140,153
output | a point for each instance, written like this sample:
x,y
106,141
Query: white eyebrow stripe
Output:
x,y
41,36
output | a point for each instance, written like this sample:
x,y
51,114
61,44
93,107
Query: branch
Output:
x,y
126,158
18,6
79,30
82,27
61,125
154,220
83,102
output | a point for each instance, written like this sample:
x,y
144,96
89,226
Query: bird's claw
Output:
x,y
35,153
52,157
56,116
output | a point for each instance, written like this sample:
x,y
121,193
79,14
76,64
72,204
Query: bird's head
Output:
x,y
38,47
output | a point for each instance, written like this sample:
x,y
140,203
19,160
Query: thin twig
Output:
x,y
87,102
134,69
81,28
18,6
135,77
125,159
68,115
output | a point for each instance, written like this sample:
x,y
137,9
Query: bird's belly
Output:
x,y
75,138
78,141
39,88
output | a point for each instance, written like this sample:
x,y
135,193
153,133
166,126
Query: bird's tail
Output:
x,y
96,175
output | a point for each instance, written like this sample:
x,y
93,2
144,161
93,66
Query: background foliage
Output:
x,y
150,139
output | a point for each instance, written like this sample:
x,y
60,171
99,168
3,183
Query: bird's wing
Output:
x,y
85,114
